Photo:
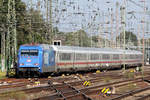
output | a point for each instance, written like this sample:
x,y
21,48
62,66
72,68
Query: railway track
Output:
x,y
134,95
75,88
67,91
22,85
145,97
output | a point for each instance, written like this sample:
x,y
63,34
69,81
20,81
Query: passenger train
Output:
x,y
44,58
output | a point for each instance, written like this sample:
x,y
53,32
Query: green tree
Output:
x,y
78,38
129,37
84,40
30,25
37,27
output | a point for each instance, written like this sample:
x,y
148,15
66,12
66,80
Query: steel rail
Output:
x,y
130,93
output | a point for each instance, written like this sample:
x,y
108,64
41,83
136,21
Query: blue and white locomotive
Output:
x,y
44,58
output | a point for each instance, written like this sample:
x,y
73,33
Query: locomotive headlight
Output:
x,y
21,64
36,64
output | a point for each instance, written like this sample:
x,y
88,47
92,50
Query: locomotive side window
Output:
x,y
65,56
105,56
80,56
94,56
115,56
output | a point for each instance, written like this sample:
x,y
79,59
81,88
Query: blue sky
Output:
x,y
92,15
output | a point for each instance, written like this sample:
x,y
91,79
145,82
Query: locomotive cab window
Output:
x,y
29,52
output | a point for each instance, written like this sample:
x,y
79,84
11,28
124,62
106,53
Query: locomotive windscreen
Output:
x,y
29,52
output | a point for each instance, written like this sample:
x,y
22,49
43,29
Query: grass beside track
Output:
x,y
2,75
14,96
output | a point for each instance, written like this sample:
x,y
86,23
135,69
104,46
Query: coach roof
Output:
x,y
92,50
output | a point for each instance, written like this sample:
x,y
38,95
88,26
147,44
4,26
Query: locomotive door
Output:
x,y
52,60
49,61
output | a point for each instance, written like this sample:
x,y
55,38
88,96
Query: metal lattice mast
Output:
x,y
49,34
47,16
3,31
50,21
123,24
123,17
14,35
112,34
3,52
30,20
138,37
117,25
144,35
11,41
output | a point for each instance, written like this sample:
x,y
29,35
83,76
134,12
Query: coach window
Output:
x,y
131,56
100,56
105,56
115,56
81,56
137,57
65,56
141,56
94,56
126,56
134,56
